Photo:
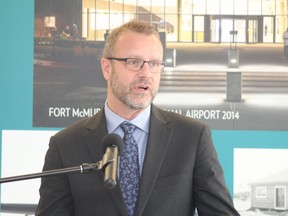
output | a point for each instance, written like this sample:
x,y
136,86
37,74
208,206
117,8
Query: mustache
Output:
x,y
142,82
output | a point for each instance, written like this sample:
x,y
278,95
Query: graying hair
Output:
x,y
134,25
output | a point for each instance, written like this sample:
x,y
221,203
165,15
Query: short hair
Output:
x,y
134,25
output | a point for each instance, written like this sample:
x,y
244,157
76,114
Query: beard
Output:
x,y
131,99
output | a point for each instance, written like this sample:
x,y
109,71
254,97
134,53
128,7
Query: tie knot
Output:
x,y
127,127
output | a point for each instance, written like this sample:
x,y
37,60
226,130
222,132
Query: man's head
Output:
x,y
133,25
132,64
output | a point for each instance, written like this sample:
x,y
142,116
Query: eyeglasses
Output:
x,y
134,64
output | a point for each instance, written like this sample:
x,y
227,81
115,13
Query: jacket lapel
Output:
x,y
96,131
158,142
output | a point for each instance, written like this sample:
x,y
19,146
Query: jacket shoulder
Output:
x,y
81,127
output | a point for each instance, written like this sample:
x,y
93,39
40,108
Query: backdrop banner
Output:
x,y
225,69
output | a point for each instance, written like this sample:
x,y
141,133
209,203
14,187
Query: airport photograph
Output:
x,y
224,60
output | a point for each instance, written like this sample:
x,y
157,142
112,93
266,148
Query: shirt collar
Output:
x,y
141,121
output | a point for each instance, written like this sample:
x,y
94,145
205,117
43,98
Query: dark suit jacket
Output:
x,y
181,171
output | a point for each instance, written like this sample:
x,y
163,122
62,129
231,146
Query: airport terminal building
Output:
x,y
255,21
196,21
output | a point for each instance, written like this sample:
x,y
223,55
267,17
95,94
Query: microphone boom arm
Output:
x,y
83,168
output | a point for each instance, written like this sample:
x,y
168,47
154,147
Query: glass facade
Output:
x,y
216,21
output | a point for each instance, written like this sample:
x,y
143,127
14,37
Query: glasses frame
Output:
x,y
149,62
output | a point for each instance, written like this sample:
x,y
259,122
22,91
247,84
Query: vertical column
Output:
x,y
234,86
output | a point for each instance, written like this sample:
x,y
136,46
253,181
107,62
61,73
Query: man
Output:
x,y
106,34
178,166
66,33
285,41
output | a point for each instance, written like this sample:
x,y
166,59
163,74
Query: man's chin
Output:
x,y
139,105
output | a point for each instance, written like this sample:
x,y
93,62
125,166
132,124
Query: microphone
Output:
x,y
112,147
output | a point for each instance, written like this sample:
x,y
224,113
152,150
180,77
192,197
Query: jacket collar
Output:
x,y
158,142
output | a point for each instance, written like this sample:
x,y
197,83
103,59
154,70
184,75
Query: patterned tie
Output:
x,y
129,168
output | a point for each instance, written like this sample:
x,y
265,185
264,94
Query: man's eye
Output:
x,y
155,64
134,62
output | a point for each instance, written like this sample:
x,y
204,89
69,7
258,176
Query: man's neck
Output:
x,y
125,112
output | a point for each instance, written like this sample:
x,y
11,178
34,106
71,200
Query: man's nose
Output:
x,y
145,69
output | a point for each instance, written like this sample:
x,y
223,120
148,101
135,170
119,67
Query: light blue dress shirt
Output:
x,y
140,134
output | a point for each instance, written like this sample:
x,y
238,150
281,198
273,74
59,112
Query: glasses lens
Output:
x,y
134,64
137,64
156,66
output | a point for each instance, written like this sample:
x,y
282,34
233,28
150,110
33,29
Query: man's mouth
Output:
x,y
143,88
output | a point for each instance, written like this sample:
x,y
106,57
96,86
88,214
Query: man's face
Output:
x,y
134,89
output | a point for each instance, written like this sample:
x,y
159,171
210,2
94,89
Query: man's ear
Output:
x,y
106,68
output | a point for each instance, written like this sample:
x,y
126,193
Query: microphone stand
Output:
x,y
83,168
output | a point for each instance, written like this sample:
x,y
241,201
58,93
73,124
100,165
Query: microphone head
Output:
x,y
112,139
